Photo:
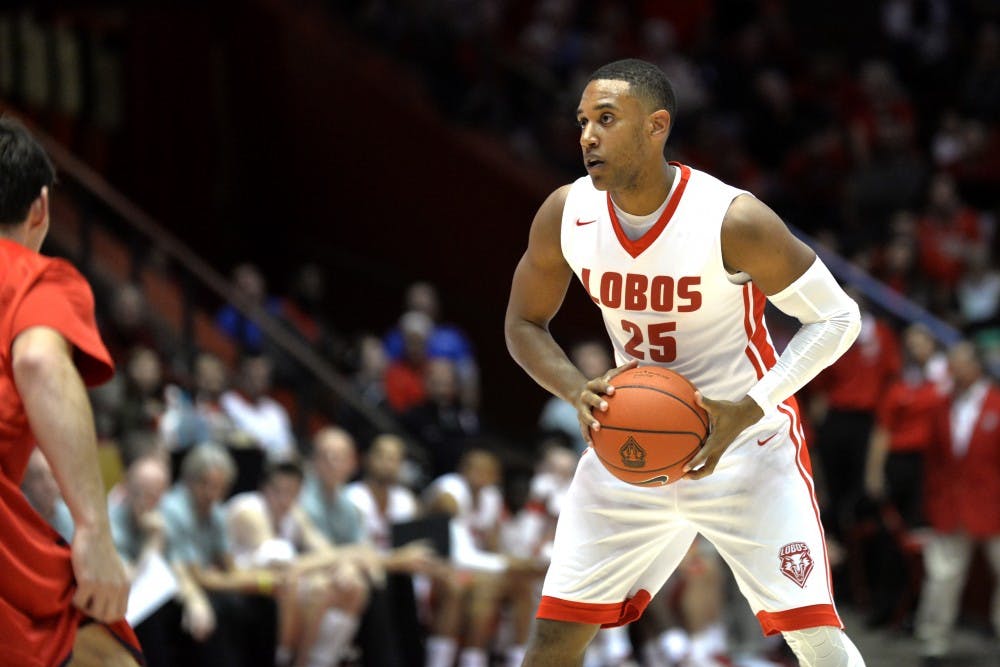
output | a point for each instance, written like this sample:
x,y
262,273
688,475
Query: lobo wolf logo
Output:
x,y
796,563
633,456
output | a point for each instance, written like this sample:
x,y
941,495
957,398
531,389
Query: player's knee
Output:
x,y
823,646
558,638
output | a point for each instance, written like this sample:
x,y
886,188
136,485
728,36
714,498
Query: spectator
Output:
x,y
250,294
129,324
845,399
334,462
142,404
137,528
947,231
189,420
324,592
404,379
978,292
963,498
443,340
441,423
229,616
253,411
894,474
593,358
41,490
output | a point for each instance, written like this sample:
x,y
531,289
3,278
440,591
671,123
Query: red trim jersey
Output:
x,y
666,299
38,621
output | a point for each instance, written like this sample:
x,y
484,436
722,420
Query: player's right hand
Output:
x,y
592,396
102,585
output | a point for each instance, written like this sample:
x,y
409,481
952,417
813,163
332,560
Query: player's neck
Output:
x,y
648,192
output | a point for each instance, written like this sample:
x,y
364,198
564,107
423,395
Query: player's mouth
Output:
x,y
593,163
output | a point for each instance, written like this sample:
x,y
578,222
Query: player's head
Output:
x,y
384,462
625,114
25,177
280,485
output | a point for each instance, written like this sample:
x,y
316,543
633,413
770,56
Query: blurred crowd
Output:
x,y
281,527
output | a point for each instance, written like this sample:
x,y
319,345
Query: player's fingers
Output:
x,y
707,404
82,599
585,432
594,400
700,457
705,470
617,371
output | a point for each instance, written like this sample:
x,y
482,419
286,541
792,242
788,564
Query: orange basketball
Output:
x,y
652,426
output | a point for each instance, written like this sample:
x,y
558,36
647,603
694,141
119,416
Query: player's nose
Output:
x,y
587,137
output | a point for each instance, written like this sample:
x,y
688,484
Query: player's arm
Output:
x,y
537,291
58,410
755,241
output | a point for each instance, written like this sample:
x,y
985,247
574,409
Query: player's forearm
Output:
x,y
830,323
61,419
534,349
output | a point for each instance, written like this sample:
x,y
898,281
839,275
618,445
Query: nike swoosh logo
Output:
x,y
763,442
580,223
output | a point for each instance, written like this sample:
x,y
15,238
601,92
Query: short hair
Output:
x,y
204,457
646,81
272,470
24,170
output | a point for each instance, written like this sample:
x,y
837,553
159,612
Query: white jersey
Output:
x,y
401,506
666,298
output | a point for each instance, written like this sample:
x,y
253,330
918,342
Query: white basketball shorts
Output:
x,y
616,544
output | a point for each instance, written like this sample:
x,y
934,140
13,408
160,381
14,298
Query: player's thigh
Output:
x,y
613,539
759,510
96,647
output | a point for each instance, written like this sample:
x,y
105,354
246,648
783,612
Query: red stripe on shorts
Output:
x,y
813,616
607,615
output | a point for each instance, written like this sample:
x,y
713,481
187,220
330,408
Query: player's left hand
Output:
x,y
726,420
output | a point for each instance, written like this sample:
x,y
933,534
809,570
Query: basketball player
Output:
x,y
679,264
49,350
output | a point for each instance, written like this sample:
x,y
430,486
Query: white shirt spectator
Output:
x,y
401,506
964,414
265,420
475,518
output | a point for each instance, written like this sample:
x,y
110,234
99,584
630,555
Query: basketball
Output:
x,y
652,426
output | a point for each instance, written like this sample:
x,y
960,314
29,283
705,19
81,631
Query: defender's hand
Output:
x,y
726,420
591,397
102,584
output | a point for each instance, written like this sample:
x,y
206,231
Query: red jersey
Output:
x,y
907,412
38,621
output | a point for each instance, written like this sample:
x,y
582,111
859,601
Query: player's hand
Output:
x,y
591,397
102,584
198,618
726,420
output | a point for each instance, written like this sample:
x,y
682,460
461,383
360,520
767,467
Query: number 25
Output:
x,y
662,346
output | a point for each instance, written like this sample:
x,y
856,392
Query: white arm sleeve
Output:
x,y
830,323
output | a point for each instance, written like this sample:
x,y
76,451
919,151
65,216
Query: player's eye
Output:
x,y
606,118
581,123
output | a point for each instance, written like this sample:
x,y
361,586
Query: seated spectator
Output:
x,y
324,592
593,358
443,340
334,462
369,363
978,292
189,420
254,412
250,293
947,231
404,378
129,325
441,423
228,615
142,404
137,528
41,490
473,499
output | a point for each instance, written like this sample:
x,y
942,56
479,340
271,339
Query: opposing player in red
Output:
x,y
679,264
59,604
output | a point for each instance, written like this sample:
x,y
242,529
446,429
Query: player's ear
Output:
x,y
38,214
659,123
